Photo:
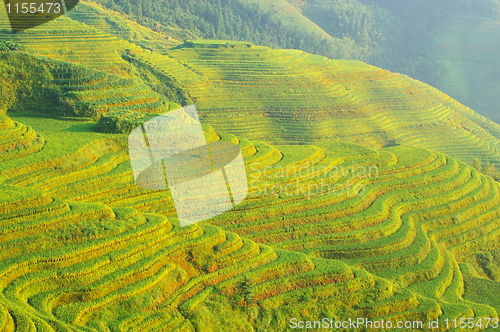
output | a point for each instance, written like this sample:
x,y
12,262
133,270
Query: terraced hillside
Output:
x,y
290,96
59,88
70,40
79,287
17,140
111,22
89,271
104,93
106,82
281,96
336,228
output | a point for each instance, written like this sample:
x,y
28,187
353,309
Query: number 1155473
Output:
x,y
33,8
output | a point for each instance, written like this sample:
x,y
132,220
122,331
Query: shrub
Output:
x,y
120,123
7,46
84,109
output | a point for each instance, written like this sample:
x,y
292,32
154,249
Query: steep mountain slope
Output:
x,y
59,88
274,23
402,37
452,45
413,39
291,96
273,89
69,40
111,22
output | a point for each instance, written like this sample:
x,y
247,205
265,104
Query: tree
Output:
x,y
246,289
487,168
492,171
477,165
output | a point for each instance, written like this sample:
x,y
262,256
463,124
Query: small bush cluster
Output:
x,y
121,122
6,46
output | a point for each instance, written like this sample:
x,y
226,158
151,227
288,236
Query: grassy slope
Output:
x,y
115,24
465,49
291,15
105,84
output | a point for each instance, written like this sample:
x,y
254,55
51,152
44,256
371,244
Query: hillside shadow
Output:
x,y
390,143
83,128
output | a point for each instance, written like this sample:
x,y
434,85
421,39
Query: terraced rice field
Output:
x,y
110,93
108,21
94,80
17,140
288,96
73,41
275,96
382,234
